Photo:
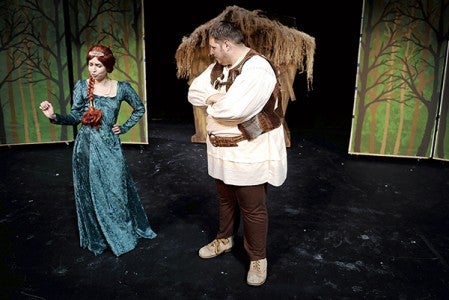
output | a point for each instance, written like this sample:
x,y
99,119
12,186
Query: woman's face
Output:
x,y
96,69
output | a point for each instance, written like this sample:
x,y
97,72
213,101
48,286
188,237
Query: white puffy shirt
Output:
x,y
264,159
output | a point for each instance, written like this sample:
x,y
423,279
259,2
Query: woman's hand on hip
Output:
x,y
116,129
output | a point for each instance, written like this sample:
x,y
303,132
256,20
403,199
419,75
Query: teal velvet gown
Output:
x,y
109,209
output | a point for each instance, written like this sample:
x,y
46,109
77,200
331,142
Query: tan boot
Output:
x,y
257,273
216,247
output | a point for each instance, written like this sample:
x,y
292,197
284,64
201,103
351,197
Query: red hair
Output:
x,y
103,54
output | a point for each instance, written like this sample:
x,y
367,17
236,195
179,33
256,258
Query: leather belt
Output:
x,y
222,141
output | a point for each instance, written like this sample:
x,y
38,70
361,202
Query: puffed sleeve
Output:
x,y
201,88
248,93
133,99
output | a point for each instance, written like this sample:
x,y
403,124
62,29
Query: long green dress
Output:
x,y
109,209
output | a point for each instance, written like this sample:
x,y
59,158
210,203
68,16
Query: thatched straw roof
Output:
x,y
284,46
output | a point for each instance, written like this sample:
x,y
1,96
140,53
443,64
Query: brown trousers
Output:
x,y
250,202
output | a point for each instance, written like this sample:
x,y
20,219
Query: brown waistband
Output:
x,y
222,141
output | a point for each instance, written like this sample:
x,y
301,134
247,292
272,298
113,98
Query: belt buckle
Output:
x,y
213,140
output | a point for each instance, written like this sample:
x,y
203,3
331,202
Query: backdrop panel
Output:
x,y
442,137
43,55
399,77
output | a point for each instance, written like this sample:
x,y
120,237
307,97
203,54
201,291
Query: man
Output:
x,y
245,146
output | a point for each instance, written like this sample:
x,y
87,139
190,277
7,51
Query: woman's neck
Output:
x,y
103,87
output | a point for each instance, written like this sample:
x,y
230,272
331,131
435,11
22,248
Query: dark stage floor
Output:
x,y
341,227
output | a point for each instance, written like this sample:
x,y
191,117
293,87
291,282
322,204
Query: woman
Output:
x,y
109,210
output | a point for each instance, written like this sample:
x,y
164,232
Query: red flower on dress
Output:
x,y
92,117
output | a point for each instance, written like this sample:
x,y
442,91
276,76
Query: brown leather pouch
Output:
x,y
259,124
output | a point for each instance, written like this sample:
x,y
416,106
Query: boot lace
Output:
x,y
216,244
255,265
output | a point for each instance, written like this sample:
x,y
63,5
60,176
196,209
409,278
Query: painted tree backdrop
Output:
x,y
42,53
399,107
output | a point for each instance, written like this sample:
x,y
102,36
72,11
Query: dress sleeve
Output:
x,y
133,99
79,106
